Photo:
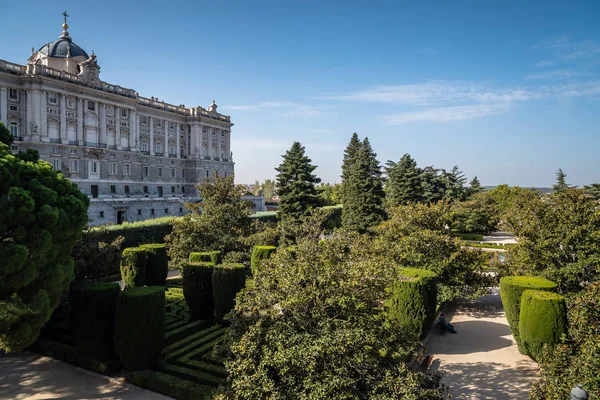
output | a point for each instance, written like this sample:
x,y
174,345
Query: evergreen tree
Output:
x,y
475,186
404,182
349,158
296,184
433,184
455,184
364,194
268,189
561,182
593,190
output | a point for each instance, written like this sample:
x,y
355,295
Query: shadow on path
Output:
x,y
482,336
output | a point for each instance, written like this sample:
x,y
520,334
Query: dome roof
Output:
x,y
63,48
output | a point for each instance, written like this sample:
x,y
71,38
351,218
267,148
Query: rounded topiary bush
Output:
x,y
260,253
206,256
412,300
511,290
92,319
542,320
133,266
198,289
227,281
157,265
140,323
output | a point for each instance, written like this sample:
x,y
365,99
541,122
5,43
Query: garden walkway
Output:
x,y
31,376
481,361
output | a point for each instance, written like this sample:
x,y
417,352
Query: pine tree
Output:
x,y
561,182
296,184
349,158
363,206
434,188
455,184
404,182
475,186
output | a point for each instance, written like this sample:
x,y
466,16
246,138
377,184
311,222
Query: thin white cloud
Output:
x,y
572,50
280,108
445,114
559,74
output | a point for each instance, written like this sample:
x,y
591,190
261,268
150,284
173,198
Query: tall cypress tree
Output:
x,y
405,183
364,194
475,186
349,159
296,184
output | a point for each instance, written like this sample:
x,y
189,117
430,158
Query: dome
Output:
x,y
63,48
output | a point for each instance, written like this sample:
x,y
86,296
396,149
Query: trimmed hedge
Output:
x,y
140,324
92,319
69,354
169,385
206,256
412,300
135,233
227,281
133,266
511,290
543,319
260,253
198,289
157,266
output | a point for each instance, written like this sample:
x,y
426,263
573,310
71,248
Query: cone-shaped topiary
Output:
x,y
93,317
260,253
198,289
542,320
206,256
412,300
511,290
140,323
227,281
157,266
133,266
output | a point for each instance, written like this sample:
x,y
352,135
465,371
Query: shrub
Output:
x,y
157,266
413,300
542,320
264,216
134,233
96,259
206,256
169,385
92,319
260,253
140,326
511,290
198,290
133,266
227,281
42,215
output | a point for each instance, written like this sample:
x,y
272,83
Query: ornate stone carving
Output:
x,y
89,72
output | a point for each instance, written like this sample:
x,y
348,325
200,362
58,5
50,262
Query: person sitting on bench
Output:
x,y
442,321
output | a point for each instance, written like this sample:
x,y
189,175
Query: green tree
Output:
x,y
42,216
434,188
475,186
325,194
296,184
312,327
454,181
219,222
479,214
268,189
404,182
364,194
257,189
561,181
593,190
349,158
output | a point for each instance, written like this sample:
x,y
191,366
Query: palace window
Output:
x,y
145,189
126,169
113,189
91,106
139,211
56,164
152,211
159,148
158,123
171,126
171,148
206,174
183,173
144,120
126,189
13,108
160,172
101,214
172,172
203,129
94,167
144,145
172,189
112,168
52,98
13,94
166,210
74,166
146,171
123,113
180,128
14,128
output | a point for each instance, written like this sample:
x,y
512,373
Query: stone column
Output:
x,y
136,133
219,146
151,122
27,129
4,107
195,140
80,121
102,122
63,119
43,115
177,141
132,129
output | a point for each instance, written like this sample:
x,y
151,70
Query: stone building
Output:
x,y
135,157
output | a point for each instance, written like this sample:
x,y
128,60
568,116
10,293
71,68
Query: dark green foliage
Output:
x,y
92,319
561,182
363,190
227,281
454,182
511,290
134,233
593,190
5,135
405,184
479,214
70,354
296,184
542,320
157,266
412,300
265,216
169,385
206,256
133,266
140,326
334,219
347,164
260,253
42,215
475,186
96,260
198,290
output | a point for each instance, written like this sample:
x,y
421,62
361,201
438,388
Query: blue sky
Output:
x,y
508,91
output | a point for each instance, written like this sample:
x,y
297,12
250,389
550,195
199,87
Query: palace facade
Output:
x,y
135,157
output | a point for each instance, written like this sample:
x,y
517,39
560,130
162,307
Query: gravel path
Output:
x,y
481,361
